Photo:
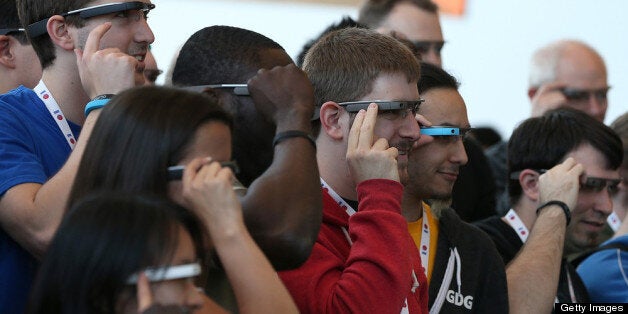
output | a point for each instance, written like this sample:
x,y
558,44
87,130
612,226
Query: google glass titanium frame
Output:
x,y
238,89
168,273
382,105
39,28
7,31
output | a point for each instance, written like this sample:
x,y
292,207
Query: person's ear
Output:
x,y
7,59
330,120
529,181
59,33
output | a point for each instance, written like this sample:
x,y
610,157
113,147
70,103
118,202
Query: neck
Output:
x,y
526,210
334,169
411,206
65,86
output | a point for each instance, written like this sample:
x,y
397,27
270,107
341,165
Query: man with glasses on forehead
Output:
x,y
18,61
558,211
364,260
88,50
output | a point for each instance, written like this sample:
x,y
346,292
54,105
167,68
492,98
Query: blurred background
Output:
x,y
488,47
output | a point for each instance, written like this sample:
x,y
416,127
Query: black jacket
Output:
x,y
482,287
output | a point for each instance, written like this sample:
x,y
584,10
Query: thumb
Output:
x,y
144,295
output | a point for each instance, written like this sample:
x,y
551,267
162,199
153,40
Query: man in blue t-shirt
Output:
x,y
39,128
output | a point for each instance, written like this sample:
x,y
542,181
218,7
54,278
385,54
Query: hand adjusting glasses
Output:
x,y
591,184
39,28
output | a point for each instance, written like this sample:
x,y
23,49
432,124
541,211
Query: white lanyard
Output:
x,y
425,242
515,222
53,108
350,211
613,221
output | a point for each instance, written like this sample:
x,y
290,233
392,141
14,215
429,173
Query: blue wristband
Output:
x,y
97,103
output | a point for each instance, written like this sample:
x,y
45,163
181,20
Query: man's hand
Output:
x,y
368,160
561,183
283,94
546,98
106,71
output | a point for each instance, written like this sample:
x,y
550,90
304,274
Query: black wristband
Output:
x,y
562,205
293,133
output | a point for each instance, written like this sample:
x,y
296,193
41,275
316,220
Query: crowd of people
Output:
x,y
349,182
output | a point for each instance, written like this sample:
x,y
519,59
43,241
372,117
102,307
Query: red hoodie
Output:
x,y
372,275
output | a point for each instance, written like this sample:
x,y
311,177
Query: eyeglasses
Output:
x,y
590,184
39,28
152,74
8,31
176,172
583,95
168,273
237,89
447,133
424,46
398,108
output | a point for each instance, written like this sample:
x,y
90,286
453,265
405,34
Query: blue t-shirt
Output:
x,y
32,149
605,273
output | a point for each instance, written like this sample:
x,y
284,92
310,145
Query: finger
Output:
x,y
144,295
393,152
191,169
93,39
208,171
550,87
365,140
423,121
354,133
381,144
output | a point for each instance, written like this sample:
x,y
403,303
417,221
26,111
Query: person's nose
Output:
x,y
144,33
597,107
410,128
459,155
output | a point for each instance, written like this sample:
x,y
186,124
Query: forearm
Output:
x,y
283,207
255,283
533,275
31,213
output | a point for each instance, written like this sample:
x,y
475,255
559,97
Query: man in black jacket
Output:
x,y
464,269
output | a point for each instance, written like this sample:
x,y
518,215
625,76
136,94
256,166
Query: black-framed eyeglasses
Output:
x,y
398,107
424,46
583,95
237,89
591,184
152,74
8,31
176,172
39,28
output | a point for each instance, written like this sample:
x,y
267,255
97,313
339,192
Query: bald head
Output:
x,y
578,69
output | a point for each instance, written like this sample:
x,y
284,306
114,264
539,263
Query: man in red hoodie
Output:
x,y
364,260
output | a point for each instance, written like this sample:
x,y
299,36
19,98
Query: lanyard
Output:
x,y
55,112
613,221
516,224
425,242
350,211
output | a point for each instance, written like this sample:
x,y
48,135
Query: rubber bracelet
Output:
x,y
293,133
97,103
562,205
